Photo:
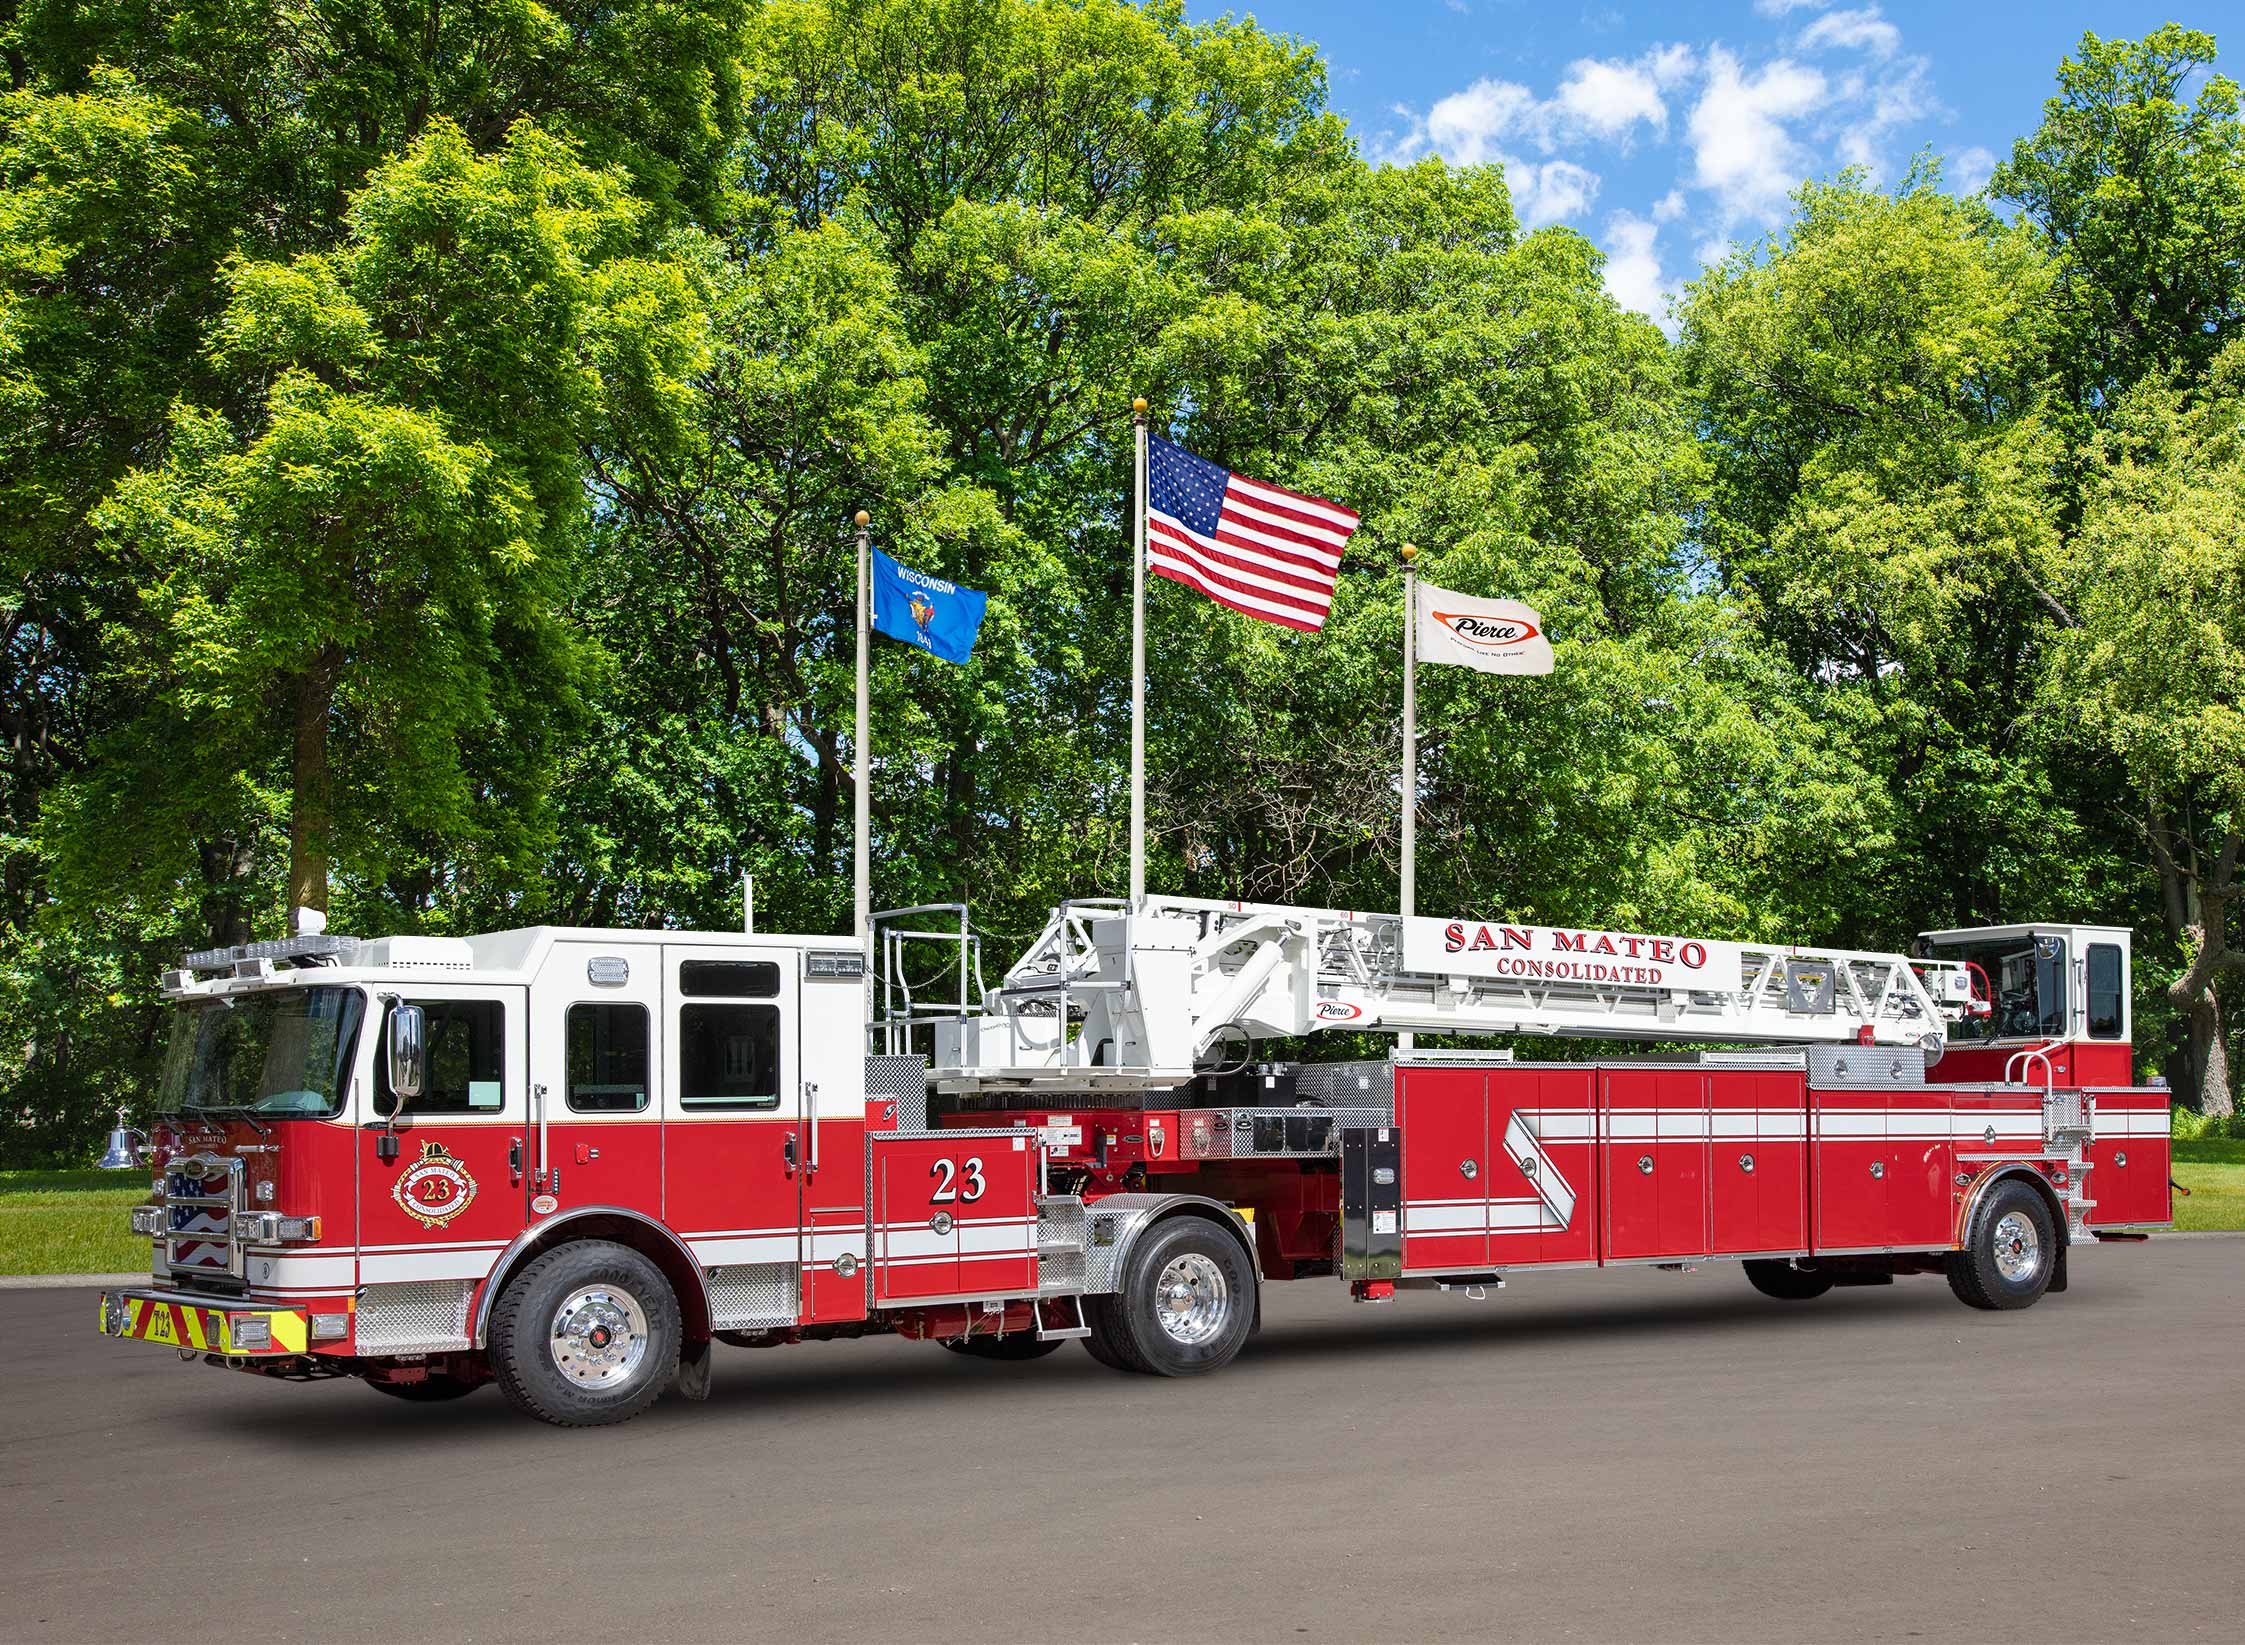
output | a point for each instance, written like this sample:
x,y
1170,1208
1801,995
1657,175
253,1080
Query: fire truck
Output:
x,y
572,1161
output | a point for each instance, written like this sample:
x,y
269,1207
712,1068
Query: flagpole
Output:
x,y
861,845
1138,659
1406,1040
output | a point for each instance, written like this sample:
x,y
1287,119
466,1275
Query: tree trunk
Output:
x,y
312,697
2214,1097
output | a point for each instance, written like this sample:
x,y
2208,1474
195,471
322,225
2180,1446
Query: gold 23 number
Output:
x,y
959,1182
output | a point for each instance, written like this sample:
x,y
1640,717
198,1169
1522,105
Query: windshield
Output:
x,y
285,1052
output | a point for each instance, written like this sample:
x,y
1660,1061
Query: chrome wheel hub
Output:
x,y
1192,1299
2018,1247
599,1336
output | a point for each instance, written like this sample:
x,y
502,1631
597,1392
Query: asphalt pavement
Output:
x,y
1589,1456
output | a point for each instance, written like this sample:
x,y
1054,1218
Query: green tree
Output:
x,y
2151,667
2141,198
350,604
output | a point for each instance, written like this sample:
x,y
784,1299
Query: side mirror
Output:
x,y
407,1049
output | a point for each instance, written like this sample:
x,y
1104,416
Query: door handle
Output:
x,y
1645,1164
514,1161
1746,1163
787,1153
1468,1170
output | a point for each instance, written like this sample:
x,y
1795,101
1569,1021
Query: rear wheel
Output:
x,y
586,1335
1186,1303
1785,1282
2011,1254
1019,1345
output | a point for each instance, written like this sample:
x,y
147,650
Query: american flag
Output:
x,y
1257,548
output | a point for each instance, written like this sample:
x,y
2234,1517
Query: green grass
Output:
x,y
2213,1169
73,1222
70,1222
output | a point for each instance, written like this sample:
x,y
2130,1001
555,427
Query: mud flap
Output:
x,y
693,1370
2058,1271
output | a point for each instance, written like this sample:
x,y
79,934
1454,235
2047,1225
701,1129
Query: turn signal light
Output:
x,y
148,1219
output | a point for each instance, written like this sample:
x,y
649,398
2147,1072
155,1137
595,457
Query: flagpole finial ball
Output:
x,y
1139,406
1409,551
863,519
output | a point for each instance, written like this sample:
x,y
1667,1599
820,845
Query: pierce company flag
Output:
x,y
1495,636
1257,548
938,617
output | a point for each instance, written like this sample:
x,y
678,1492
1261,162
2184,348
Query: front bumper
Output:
x,y
198,1327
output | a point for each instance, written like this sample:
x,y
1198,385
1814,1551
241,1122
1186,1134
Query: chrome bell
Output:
x,y
125,1144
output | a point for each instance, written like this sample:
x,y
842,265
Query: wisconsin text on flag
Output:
x,y
1257,548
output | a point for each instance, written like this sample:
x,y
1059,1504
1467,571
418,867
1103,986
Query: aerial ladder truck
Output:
x,y
571,1161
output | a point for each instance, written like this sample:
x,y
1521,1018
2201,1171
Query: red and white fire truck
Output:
x,y
571,1160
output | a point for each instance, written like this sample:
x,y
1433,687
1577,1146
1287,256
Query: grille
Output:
x,y
755,1293
421,1316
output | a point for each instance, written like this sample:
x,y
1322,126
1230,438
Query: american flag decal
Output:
x,y
1260,549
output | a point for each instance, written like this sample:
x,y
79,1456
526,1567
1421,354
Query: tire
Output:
x,y
1186,1303
586,1335
1785,1282
1102,1345
435,1391
1020,1345
2011,1254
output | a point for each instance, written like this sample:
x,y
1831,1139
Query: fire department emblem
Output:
x,y
435,1188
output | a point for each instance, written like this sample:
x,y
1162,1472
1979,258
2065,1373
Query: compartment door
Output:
x,y
916,1186
1542,1178
1848,1200
1756,1168
1444,1117
1921,1160
1655,1163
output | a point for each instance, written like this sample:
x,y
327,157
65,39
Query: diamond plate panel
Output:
x,y
421,1316
755,1293
904,1081
1348,1085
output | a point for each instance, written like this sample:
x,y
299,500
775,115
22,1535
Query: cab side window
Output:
x,y
2105,1004
729,1056
467,1060
607,1067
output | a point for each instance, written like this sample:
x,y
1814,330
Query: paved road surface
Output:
x,y
1634,1455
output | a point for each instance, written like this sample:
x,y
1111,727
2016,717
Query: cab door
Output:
x,y
595,1033
452,1197
734,1149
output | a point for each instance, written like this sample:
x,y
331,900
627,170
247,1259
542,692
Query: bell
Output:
x,y
125,1143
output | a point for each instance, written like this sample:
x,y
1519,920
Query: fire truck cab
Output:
x,y
570,1161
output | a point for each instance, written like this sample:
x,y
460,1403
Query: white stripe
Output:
x,y
1263,528
725,1253
1255,604
1259,572
435,1265
1340,517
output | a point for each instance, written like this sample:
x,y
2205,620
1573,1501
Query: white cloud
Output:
x,y
1969,171
1781,8
1669,206
1864,30
1741,145
1609,98
1551,192
1633,267
1466,126
1902,94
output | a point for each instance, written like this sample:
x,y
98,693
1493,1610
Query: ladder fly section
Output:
x,y
1133,998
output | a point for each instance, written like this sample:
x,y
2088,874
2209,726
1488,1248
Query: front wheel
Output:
x,y
586,1335
2012,1253
1186,1303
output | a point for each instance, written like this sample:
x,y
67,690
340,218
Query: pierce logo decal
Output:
x,y
435,1188
1488,633
1338,1011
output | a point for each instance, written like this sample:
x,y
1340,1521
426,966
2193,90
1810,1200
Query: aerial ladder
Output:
x,y
1111,996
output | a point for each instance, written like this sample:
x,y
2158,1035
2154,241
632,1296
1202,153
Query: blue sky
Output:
x,y
1666,133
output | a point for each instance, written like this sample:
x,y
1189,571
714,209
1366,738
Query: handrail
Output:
x,y
2023,1060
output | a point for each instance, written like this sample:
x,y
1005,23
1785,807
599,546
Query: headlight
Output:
x,y
148,1219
